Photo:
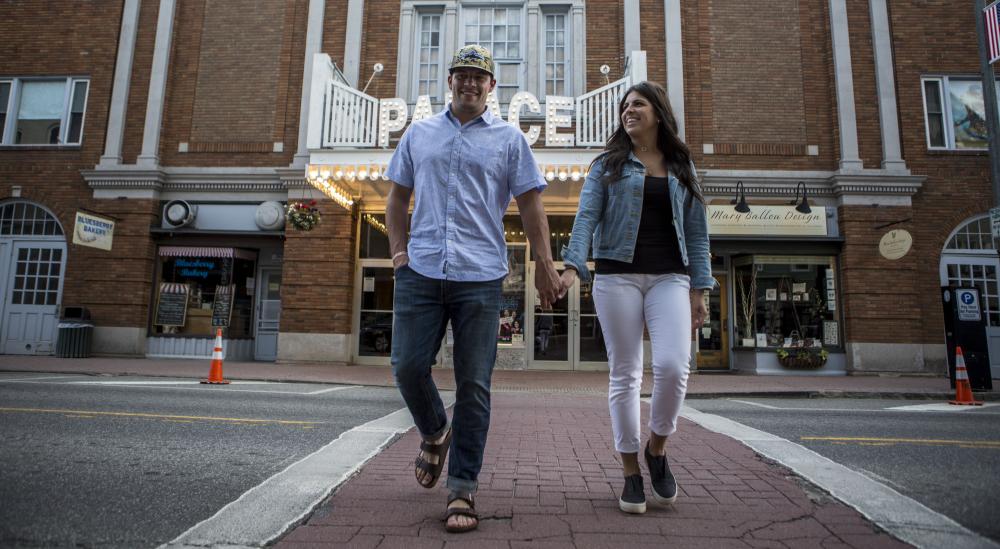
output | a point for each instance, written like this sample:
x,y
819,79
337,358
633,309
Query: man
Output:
x,y
462,166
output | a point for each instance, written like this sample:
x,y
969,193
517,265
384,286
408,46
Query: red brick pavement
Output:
x,y
550,480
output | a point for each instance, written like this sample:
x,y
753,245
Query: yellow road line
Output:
x,y
160,416
877,440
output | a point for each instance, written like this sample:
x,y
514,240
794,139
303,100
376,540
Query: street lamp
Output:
x,y
741,199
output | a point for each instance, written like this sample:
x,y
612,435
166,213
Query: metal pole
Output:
x,y
990,100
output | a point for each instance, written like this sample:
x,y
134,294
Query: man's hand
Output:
x,y
400,260
548,284
698,310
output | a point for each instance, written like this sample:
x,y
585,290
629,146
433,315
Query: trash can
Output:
x,y
75,333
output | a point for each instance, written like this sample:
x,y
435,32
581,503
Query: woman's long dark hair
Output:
x,y
676,155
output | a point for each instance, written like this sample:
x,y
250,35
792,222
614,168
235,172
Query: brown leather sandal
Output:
x,y
469,511
432,470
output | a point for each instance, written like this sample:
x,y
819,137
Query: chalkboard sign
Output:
x,y
222,308
171,304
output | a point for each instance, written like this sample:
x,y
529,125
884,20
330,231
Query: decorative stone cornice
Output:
x,y
124,179
835,185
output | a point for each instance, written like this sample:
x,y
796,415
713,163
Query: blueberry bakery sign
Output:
x,y
95,232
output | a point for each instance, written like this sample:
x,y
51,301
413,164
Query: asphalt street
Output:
x,y
132,462
946,458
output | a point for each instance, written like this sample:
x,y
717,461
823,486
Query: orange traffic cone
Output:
x,y
963,390
215,373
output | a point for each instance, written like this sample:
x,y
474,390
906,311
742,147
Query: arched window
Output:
x,y
22,218
974,236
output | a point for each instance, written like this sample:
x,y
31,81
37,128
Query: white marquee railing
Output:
x,y
353,117
597,113
341,116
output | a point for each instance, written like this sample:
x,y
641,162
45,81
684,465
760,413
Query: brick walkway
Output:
x,y
551,479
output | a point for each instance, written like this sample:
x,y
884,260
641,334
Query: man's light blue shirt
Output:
x,y
463,179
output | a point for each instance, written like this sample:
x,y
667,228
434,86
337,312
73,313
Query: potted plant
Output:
x,y
802,357
746,284
301,215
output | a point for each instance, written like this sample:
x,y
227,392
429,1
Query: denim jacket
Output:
x,y
609,216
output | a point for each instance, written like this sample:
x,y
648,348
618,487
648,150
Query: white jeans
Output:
x,y
624,303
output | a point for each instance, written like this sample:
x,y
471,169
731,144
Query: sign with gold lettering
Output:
x,y
766,221
895,244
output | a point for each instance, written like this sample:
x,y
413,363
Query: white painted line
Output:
x,y
940,407
324,391
33,379
173,382
903,517
265,512
756,404
935,407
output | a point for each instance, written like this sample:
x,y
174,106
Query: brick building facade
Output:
x,y
220,113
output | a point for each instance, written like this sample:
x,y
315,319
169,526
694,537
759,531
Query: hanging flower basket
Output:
x,y
802,358
301,215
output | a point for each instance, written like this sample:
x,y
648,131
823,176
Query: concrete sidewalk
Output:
x,y
551,480
702,385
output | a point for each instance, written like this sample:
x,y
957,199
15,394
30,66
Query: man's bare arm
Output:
x,y
396,209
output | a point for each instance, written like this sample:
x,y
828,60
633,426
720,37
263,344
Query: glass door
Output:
x,y
569,336
713,336
374,332
268,314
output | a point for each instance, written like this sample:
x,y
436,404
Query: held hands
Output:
x,y
548,284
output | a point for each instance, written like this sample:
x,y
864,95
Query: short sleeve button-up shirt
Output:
x,y
463,179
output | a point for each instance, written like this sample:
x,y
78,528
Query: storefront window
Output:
x,y
560,228
374,237
786,301
203,289
511,330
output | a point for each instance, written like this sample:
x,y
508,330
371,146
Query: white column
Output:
x,y
119,92
352,42
675,61
892,159
579,50
534,57
314,43
451,31
149,158
404,56
847,117
632,31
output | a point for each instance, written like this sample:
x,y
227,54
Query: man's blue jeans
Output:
x,y
422,308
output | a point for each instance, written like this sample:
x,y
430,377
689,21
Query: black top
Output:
x,y
656,247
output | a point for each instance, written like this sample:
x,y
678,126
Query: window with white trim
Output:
x,y
429,60
954,113
499,30
556,65
42,111
4,100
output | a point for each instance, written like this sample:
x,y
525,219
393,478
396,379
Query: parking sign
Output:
x,y
968,304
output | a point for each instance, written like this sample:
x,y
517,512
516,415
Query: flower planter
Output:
x,y
802,361
302,216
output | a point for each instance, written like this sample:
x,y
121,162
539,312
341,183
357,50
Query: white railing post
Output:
x,y
322,75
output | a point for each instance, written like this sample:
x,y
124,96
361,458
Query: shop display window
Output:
x,y
511,330
787,301
195,295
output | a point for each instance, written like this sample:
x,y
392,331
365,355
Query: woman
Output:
x,y
641,208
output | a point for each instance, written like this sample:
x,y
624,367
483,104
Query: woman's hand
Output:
x,y
698,311
568,277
